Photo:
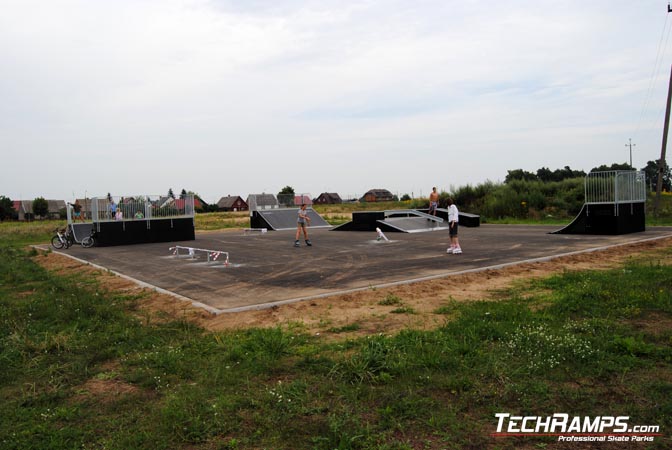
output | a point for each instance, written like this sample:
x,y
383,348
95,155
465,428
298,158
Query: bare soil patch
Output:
x,y
362,310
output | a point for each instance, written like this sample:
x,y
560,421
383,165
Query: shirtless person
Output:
x,y
433,202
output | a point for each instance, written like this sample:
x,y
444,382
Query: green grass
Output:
x,y
391,299
586,343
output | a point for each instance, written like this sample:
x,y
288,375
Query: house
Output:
x,y
328,198
24,209
261,201
302,200
232,203
377,195
181,204
88,207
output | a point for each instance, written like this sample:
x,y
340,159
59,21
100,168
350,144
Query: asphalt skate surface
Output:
x,y
266,269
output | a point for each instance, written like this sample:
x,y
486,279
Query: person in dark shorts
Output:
x,y
301,225
453,220
77,211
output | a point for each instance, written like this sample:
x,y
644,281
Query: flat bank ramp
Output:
x,y
286,219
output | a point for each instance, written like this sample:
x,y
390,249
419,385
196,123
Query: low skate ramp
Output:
x,y
396,220
412,224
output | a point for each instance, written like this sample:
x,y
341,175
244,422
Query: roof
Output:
x,y
228,201
264,199
302,200
332,195
27,205
379,192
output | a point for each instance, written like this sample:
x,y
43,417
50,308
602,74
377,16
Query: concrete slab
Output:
x,y
266,269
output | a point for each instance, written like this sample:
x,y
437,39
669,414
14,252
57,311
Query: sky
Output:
x,y
225,97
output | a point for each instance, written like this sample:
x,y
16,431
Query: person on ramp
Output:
x,y
302,224
433,202
453,219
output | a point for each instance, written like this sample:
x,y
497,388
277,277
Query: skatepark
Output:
x,y
259,267
264,269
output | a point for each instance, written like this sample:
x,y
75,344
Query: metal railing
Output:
x,y
615,186
140,207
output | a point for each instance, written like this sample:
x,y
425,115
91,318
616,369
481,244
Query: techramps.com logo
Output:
x,y
575,428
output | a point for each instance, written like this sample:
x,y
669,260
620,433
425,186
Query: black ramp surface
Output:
x,y
81,230
576,226
286,219
608,218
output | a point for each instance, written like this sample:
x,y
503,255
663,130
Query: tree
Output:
x,y
287,190
286,196
545,174
183,194
40,207
519,174
614,166
651,172
6,208
567,173
171,194
405,198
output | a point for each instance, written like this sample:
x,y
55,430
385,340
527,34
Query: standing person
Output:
x,y
77,211
453,219
302,224
112,208
433,202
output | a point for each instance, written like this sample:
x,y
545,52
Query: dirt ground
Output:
x,y
362,312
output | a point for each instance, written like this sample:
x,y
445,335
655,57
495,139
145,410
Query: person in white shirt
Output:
x,y
453,220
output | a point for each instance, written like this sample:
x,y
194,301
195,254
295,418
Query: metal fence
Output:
x,y
137,207
257,202
615,186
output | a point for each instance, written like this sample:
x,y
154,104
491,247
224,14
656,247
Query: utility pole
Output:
x,y
630,144
661,161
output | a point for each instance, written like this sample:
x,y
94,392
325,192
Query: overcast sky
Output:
x,y
235,97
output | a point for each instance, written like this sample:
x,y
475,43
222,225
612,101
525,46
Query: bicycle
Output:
x,y
62,239
90,240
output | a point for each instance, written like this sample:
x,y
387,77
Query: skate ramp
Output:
x,y
285,219
607,218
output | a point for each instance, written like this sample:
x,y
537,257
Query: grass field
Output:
x,y
84,367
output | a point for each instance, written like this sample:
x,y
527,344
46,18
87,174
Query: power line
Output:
x,y
630,144
656,71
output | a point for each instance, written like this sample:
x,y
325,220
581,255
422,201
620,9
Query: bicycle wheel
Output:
x,y
88,242
56,242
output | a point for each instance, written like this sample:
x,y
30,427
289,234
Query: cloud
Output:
x,y
227,96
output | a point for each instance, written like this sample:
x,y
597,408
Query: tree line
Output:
x,y
546,192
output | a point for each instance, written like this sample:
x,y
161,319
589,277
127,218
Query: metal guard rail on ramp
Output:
x,y
411,212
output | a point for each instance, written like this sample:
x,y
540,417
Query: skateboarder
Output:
x,y
302,224
453,219
433,202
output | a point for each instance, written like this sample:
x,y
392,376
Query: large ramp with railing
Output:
x,y
615,204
